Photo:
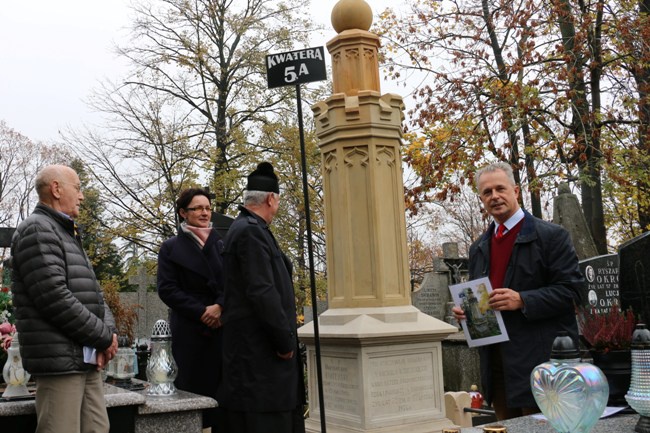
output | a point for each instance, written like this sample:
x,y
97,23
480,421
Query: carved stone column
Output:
x,y
381,357
364,199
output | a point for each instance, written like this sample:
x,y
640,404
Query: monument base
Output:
x,y
381,368
313,426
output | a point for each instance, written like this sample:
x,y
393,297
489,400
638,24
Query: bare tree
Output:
x,y
540,85
193,110
20,161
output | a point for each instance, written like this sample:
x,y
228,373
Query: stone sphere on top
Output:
x,y
351,14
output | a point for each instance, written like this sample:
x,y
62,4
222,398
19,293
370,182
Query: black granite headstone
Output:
x,y
601,289
634,256
5,236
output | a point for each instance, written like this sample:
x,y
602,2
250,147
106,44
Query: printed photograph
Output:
x,y
483,325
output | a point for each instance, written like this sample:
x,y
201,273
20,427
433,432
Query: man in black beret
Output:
x,y
263,387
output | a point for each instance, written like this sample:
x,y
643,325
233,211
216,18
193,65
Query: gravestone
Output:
x,y
456,265
634,257
308,311
567,212
432,296
151,307
5,236
601,289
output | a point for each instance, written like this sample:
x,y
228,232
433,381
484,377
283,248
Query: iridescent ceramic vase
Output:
x,y
161,367
638,396
571,394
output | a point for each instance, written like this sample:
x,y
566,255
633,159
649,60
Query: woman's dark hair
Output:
x,y
186,196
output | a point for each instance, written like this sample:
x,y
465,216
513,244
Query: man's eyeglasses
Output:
x,y
76,186
198,209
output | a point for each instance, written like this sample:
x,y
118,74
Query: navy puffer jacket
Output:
x,y
58,303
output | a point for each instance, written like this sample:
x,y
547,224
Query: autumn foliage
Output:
x,y
557,89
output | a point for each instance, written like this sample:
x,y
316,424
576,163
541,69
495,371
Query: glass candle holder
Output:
x,y
571,394
15,376
125,360
161,367
638,396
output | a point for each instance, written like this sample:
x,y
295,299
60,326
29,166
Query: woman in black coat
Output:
x,y
190,282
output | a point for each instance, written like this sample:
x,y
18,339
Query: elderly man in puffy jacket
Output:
x,y
67,333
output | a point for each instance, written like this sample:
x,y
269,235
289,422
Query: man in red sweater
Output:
x,y
536,281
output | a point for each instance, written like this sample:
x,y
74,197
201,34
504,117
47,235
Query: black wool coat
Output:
x,y
544,269
259,322
190,279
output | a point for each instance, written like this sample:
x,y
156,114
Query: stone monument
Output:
x,y
429,298
568,213
151,308
381,356
635,275
601,290
5,236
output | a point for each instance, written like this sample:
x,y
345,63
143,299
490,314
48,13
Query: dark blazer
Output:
x,y
544,269
259,321
190,279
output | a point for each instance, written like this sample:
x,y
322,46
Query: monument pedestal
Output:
x,y
381,368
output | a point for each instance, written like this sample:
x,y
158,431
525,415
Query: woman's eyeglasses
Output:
x,y
198,209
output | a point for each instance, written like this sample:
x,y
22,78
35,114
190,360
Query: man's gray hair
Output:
x,y
255,198
503,166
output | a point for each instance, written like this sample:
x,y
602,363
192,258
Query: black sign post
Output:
x,y
296,68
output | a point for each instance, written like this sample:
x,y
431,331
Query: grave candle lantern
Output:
x,y
13,372
161,367
563,384
638,397
124,361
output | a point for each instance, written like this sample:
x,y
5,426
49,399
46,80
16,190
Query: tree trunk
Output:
x,y
642,78
587,152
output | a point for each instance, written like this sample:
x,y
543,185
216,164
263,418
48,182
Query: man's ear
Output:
x,y
55,187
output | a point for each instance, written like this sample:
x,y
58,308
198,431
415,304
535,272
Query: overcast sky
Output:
x,y
53,53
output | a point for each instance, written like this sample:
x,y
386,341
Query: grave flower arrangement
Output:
x,y
608,336
7,328
606,331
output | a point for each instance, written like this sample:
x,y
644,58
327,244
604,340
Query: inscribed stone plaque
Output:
x,y
432,296
400,384
601,290
634,256
426,298
341,384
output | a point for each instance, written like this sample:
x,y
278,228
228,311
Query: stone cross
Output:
x,y
143,280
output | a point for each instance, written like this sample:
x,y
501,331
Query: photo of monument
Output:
x,y
482,325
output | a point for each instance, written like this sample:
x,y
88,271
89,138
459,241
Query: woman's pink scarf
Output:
x,y
200,233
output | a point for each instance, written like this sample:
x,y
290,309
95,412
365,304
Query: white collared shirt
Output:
x,y
510,222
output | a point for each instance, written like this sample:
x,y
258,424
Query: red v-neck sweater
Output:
x,y
500,252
